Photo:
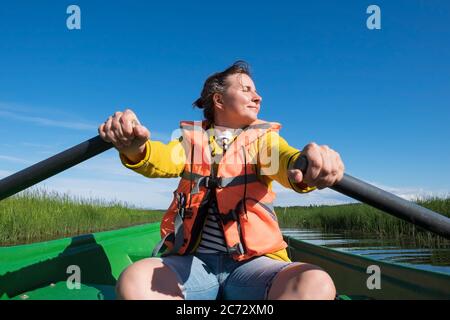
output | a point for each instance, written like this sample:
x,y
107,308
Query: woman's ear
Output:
x,y
218,100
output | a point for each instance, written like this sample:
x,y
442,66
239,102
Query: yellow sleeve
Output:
x,y
160,161
287,155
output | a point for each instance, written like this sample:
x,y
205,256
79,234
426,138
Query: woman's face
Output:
x,y
239,105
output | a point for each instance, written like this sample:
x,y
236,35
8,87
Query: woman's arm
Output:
x,y
275,167
160,160
152,159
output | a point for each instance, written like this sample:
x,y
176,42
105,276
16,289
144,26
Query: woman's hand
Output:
x,y
125,132
325,167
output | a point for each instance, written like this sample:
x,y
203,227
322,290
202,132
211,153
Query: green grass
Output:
x,y
40,215
362,219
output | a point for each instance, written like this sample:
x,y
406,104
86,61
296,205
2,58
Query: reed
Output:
x,y
40,215
362,219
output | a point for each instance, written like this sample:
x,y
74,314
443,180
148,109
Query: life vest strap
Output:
x,y
237,248
160,245
230,216
217,182
177,235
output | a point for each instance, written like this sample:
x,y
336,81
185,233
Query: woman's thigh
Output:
x,y
302,281
171,277
197,281
252,279
144,280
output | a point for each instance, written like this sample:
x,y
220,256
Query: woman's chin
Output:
x,y
250,120
254,117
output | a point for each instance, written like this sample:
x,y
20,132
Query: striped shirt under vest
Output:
x,y
213,240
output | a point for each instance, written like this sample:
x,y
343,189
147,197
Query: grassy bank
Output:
x,y
40,215
363,219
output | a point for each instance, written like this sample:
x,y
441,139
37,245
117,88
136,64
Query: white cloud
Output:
x,y
66,121
413,193
5,173
107,165
76,125
37,145
15,159
153,193
287,197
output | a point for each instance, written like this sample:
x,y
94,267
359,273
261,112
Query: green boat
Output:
x,y
87,267
44,270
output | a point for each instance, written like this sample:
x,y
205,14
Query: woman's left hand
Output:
x,y
325,167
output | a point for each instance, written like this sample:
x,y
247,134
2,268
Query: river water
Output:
x,y
435,259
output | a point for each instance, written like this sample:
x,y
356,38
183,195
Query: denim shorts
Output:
x,y
213,276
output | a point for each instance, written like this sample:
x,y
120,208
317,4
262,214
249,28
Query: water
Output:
x,y
435,259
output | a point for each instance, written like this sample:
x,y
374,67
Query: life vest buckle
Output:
x,y
237,248
181,199
188,213
230,216
213,182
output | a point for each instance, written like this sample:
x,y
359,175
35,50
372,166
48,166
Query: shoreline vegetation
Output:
x,y
359,219
39,215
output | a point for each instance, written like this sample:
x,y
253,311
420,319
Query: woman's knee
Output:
x,y
148,279
320,286
302,281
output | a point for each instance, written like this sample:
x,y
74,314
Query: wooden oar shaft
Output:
x,y
388,202
47,168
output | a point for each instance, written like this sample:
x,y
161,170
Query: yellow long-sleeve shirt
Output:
x,y
168,161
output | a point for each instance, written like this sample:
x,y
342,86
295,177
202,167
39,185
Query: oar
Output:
x,y
47,168
349,186
388,202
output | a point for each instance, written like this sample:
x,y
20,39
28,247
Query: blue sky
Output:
x,y
379,97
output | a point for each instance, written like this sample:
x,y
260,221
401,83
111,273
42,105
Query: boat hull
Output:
x,y
353,275
47,270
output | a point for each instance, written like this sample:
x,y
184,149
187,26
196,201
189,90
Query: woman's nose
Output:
x,y
256,98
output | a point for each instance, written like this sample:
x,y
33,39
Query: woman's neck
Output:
x,y
226,125
230,125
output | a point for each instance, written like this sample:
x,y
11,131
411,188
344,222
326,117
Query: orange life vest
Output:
x,y
245,203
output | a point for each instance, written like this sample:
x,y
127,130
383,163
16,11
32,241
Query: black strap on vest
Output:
x,y
213,182
177,236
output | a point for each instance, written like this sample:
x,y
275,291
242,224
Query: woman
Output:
x,y
220,233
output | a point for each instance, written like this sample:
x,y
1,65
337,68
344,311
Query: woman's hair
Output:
x,y
217,83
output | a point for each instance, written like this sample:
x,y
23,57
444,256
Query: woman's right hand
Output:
x,y
126,133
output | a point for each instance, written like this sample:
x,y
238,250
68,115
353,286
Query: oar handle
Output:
x,y
388,202
51,166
